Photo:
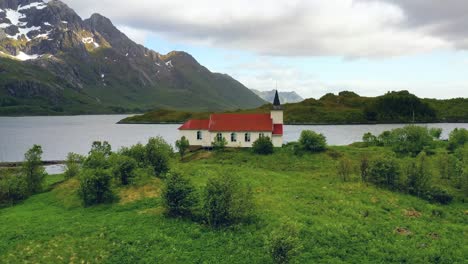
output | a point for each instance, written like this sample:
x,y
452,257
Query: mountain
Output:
x,y
285,97
53,62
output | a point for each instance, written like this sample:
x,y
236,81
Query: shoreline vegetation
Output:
x,y
397,197
342,109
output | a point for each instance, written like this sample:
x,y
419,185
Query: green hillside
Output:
x,y
339,222
344,108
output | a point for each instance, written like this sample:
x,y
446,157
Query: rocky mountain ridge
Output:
x,y
54,62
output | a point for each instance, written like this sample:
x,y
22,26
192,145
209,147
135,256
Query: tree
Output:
x,y
182,145
179,195
137,152
410,140
364,167
418,175
370,139
283,244
312,142
33,170
263,146
457,138
102,147
13,187
226,201
158,154
435,132
95,187
73,163
384,172
123,168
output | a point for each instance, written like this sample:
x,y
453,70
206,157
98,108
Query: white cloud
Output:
x,y
284,27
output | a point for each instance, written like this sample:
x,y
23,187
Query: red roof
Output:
x,y
241,122
278,129
195,124
235,123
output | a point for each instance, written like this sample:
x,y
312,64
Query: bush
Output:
x,y
219,145
384,172
137,152
283,244
33,170
438,195
435,132
312,142
226,201
418,175
158,154
410,140
95,187
345,168
370,140
179,195
73,163
96,160
182,145
13,188
102,147
457,138
123,168
364,168
263,146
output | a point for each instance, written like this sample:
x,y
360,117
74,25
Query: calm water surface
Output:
x,y
61,135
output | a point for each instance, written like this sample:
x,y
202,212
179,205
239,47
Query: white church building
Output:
x,y
239,130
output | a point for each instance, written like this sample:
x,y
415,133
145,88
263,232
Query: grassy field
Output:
x,y
338,222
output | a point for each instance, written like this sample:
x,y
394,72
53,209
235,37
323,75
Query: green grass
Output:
x,y
339,222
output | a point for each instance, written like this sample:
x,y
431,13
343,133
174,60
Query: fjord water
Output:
x,y
61,135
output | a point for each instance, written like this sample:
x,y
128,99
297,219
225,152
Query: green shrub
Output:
x,y
263,146
364,168
137,152
345,169
312,142
158,154
73,163
96,160
219,145
438,195
410,140
179,195
33,170
418,175
226,201
123,168
95,187
370,140
457,138
182,145
384,172
435,132
283,244
13,188
102,147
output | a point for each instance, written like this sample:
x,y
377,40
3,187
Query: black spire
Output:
x,y
276,102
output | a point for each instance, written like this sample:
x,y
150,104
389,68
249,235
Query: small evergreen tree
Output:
x,y
312,142
182,145
263,146
219,145
364,167
179,195
418,176
33,170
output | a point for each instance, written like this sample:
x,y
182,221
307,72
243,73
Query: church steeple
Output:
x,y
276,102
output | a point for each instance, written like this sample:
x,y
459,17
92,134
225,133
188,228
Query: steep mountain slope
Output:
x,y
53,62
285,97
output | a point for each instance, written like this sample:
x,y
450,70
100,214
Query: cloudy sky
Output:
x,y
309,46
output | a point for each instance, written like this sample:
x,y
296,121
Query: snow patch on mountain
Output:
x,y
90,40
37,5
169,64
